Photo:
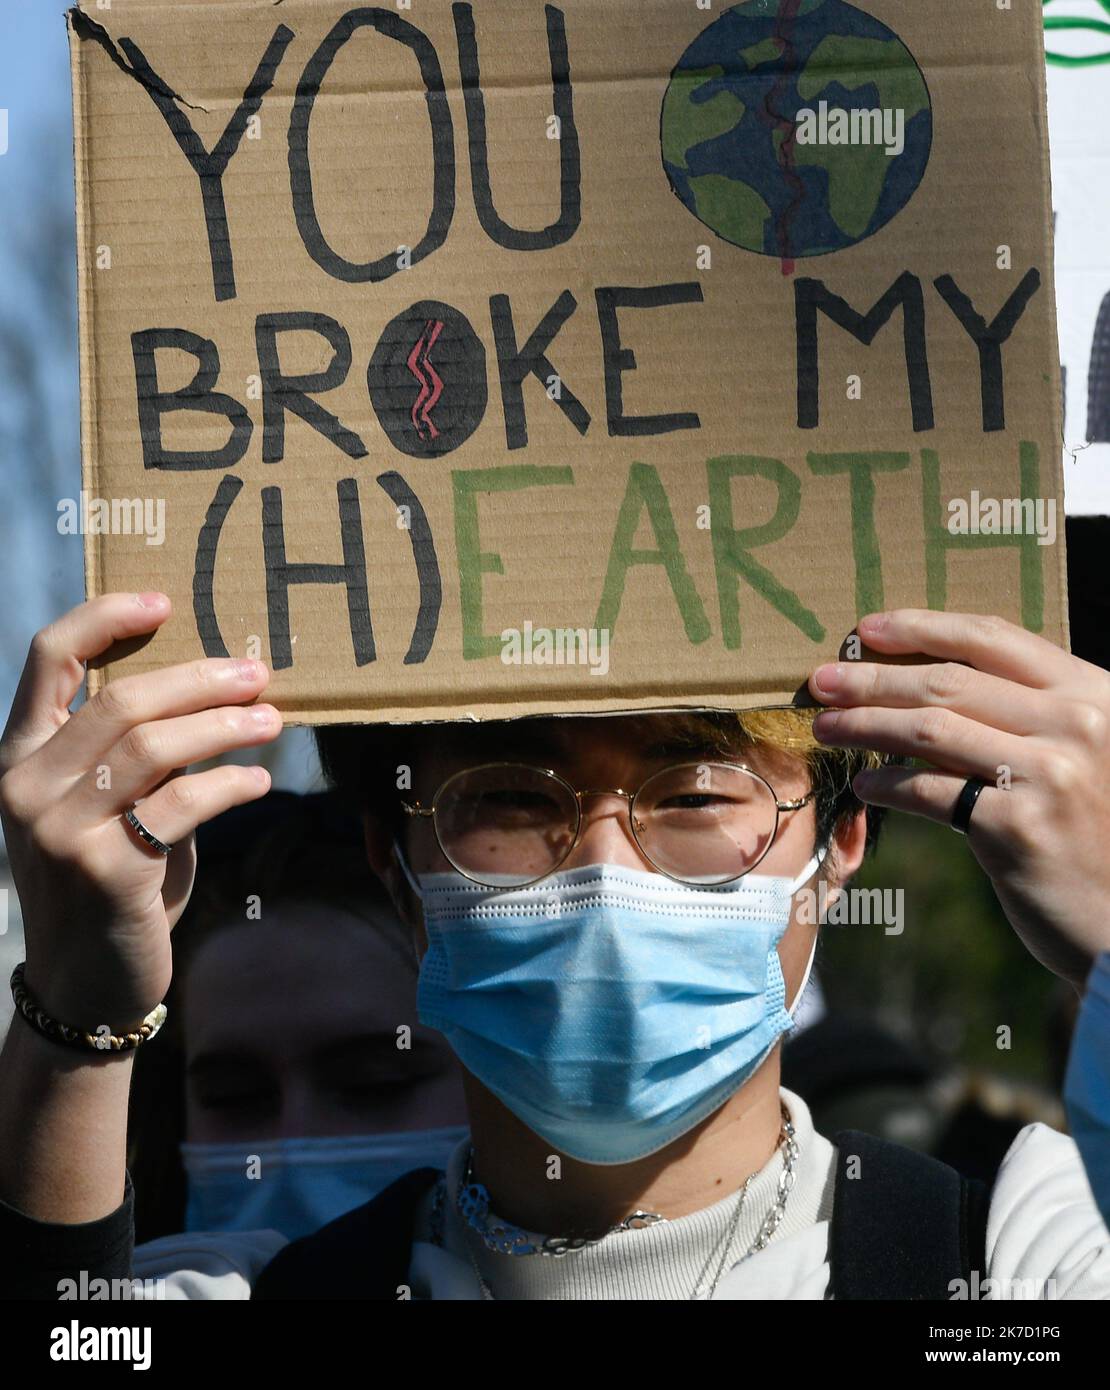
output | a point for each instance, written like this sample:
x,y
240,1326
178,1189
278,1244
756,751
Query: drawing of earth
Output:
x,y
730,127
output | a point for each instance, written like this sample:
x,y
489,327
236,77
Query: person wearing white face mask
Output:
x,y
610,939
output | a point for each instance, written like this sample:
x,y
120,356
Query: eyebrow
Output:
x,y
554,744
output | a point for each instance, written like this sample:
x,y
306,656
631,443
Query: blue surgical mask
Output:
x,y
611,1010
1087,1084
295,1186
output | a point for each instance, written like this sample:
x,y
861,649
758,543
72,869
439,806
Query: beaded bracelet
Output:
x,y
100,1041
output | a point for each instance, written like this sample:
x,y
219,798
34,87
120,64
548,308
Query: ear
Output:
x,y
846,851
383,862
379,853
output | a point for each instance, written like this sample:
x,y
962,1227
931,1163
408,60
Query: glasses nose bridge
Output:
x,y
605,791
626,797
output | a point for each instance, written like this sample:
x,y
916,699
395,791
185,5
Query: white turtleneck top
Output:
x,y
1045,1239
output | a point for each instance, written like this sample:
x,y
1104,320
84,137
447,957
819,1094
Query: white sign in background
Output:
x,y
1079,132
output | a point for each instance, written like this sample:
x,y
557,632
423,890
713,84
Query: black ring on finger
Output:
x,y
144,834
965,805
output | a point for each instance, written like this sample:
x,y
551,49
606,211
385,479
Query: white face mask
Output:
x,y
295,1186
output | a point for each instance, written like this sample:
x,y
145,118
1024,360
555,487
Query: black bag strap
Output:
x,y
904,1225
362,1254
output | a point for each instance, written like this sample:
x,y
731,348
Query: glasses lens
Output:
x,y
705,822
506,824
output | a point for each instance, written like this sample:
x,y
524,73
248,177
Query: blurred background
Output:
x,y
901,1031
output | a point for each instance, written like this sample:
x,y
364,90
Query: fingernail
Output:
x,y
150,599
249,670
875,622
263,715
261,775
829,678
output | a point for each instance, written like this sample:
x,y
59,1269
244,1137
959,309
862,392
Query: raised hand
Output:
x,y
98,903
1002,705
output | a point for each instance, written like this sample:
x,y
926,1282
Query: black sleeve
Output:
x,y
364,1253
38,1255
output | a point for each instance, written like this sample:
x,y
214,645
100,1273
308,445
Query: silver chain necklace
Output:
x,y
472,1203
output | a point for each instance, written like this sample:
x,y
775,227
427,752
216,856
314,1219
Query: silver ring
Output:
x,y
144,834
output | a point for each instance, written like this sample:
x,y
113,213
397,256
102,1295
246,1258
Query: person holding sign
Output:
x,y
606,915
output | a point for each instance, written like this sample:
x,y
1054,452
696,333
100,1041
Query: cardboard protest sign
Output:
x,y
505,358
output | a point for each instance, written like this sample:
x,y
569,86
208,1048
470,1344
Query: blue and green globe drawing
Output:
x,y
752,116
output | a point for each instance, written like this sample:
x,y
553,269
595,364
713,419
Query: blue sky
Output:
x,y
36,171
34,77
34,90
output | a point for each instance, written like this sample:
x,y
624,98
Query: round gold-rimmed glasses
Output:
x,y
509,825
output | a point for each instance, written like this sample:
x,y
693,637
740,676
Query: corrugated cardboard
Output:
x,y
762,386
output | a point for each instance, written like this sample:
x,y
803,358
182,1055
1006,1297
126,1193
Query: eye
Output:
x,y
515,797
239,1102
361,1094
696,801
508,807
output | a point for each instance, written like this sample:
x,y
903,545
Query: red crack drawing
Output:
x,y
431,384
